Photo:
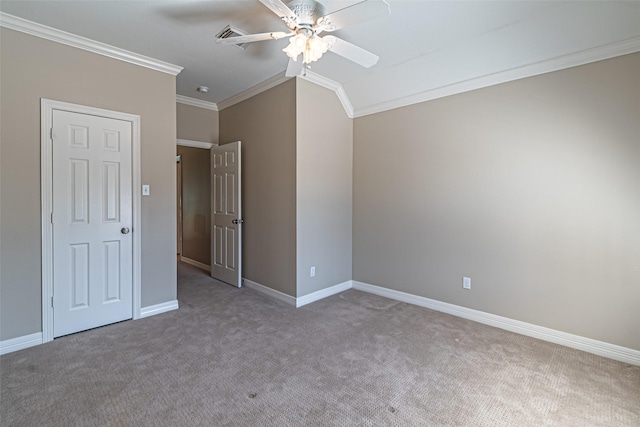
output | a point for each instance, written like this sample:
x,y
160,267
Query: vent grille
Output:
x,y
230,31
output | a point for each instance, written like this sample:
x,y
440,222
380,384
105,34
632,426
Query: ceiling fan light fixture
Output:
x,y
300,41
310,47
297,45
292,49
318,45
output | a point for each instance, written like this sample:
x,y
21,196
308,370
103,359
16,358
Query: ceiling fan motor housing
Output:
x,y
307,11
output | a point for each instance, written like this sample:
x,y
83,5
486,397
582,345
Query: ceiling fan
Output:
x,y
306,20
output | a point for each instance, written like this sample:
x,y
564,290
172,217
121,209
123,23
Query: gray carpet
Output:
x,y
233,357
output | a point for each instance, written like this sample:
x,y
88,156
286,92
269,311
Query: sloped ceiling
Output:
x,y
424,46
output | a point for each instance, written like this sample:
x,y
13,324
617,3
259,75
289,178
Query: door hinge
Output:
x,y
51,133
51,302
51,217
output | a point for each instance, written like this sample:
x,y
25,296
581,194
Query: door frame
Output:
x,y
204,146
179,201
47,106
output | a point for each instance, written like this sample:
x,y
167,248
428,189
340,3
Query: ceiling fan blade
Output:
x,y
294,68
253,38
356,13
279,8
351,51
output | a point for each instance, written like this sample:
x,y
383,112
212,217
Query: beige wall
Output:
x,y
266,125
531,188
196,204
324,161
33,68
197,124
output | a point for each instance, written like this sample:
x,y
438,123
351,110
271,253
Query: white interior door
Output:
x,y
226,239
92,219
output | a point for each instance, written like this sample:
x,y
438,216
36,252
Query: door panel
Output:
x,y
111,192
226,244
112,284
92,203
79,275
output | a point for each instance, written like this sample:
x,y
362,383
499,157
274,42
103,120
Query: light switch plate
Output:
x,y
146,190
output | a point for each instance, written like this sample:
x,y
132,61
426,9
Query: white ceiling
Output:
x,y
424,46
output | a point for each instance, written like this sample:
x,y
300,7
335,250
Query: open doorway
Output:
x,y
193,171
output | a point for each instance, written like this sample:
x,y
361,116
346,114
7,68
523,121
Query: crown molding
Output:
x,y
253,91
281,78
331,85
58,36
555,64
181,99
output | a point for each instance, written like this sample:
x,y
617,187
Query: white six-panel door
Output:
x,y
226,241
92,221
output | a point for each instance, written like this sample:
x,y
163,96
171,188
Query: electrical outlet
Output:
x,y
466,282
312,272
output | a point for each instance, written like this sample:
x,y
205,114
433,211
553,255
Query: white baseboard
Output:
x,y
19,343
589,345
323,293
270,292
26,341
152,310
303,300
195,263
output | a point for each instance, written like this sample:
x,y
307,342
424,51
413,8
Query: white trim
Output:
x,y
195,144
253,91
555,64
46,228
331,85
136,195
19,343
163,307
303,300
46,116
58,36
281,78
589,345
269,292
181,99
323,293
195,263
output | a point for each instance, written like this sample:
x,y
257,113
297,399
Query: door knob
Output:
x,y
124,230
238,221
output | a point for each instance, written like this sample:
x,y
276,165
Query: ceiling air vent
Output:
x,y
230,31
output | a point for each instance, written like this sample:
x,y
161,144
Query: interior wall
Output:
x,y
324,162
196,123
196,204
531,188
266,125
33,68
